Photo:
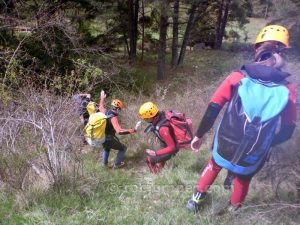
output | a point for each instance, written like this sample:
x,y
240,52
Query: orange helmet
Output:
x,y
117,103
273,33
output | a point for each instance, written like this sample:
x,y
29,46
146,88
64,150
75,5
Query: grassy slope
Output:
x,y
135,196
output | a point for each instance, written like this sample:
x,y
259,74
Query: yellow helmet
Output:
x,y
273,33
148,110
117,103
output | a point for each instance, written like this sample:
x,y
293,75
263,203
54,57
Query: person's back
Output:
x,y
83,110
257,97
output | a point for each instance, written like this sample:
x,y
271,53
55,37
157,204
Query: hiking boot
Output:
x,y
115,167
104,164
222,209
196,202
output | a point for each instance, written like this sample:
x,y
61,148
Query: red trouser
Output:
x,y
209,174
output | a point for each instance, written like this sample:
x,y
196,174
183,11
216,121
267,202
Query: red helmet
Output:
x,y
117,103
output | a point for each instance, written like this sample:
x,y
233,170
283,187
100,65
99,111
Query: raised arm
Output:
x,y
101,102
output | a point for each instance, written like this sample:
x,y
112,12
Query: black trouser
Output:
x,y
112,142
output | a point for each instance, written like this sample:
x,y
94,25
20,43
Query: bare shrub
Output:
x,y
37,133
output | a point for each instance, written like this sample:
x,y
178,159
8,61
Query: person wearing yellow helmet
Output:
x,y
112,128
150,113
259,98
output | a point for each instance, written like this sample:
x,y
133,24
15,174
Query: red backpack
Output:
x,y
181,128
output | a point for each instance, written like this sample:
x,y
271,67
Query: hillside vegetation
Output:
x,y
50,50
91,194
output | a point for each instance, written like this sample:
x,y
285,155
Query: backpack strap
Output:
x,y
110,114
166,123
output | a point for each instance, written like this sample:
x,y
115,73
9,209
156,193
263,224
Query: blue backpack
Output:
x,y
244,135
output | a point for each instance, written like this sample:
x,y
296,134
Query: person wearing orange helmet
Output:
x,y
150,113
112,128
259,98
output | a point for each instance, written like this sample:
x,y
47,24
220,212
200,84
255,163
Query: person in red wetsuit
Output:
x,y
156,159
258,96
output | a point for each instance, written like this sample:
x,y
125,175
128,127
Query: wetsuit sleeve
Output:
x,y
222,95
118,129
208,119
165,134
224,92
288,119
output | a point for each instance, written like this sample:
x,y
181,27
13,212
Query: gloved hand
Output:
x,y
196,144
150,152
137,125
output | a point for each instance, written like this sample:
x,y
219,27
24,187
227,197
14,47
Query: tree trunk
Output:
x,y
143,29
136,17
187,33
162,41
221,24
219,20
175,34
133,6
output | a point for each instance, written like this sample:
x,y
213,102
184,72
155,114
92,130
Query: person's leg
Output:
x,y
240,190
120,156
112,142
160,165
156,163
105,155
151,166
207,177
115,144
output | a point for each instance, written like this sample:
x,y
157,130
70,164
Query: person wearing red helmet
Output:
x,y
258,98
113,127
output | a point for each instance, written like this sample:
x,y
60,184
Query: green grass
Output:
x,y
252,28
128,196
135,196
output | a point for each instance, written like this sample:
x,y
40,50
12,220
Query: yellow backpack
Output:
x,y
95,128
92,107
